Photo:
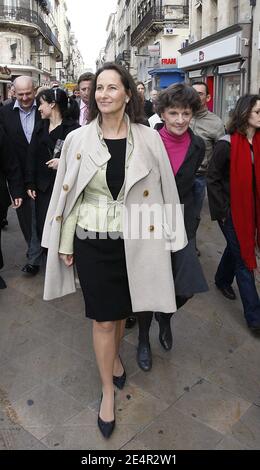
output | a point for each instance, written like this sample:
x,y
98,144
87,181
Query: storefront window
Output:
x,y
231,93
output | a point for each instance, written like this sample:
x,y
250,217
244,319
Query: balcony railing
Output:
x,y
29,16
152,19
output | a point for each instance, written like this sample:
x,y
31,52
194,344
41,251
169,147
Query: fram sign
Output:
x,y
170,61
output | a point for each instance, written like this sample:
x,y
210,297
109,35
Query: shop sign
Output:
x,y
154,50
195,73
229,68
228,47
170,61
5,72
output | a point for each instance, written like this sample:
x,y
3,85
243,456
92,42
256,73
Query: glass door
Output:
x,y
231,92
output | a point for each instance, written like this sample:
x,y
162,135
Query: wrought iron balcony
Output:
x,y
18,15
157,17
152,22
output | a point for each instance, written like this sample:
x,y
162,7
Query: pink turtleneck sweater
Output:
x,y
176,147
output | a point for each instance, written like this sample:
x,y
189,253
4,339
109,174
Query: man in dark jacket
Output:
x,y
210,128
9,172
18,122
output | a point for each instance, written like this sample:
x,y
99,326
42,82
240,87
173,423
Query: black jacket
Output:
x,y
17,144
148,108
9,172
185,179
41,149
218,181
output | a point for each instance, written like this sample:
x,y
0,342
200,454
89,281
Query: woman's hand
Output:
x,y
67,259
17,203
31,193
53,164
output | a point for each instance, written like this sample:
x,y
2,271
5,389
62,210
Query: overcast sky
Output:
x,y
89,20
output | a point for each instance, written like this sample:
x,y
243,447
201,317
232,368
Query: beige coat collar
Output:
x,y
95,154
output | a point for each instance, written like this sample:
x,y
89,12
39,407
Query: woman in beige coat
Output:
x,y
115,212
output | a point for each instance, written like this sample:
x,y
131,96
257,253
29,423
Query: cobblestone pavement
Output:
x,y
204,394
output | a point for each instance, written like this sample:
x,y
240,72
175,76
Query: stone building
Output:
x,y
158,28
223,50
36,40
149,34
29,39
111,44
125,53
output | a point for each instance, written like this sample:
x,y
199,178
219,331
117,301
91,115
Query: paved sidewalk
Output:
x,y
204,394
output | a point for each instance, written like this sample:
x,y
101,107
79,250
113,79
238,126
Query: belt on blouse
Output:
x,y
103,202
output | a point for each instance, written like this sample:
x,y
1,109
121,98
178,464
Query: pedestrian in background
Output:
x,y
59,117
18,120
209,126
85,82
107,169
176,105
234,201
11,95
147,104
9,172
76,92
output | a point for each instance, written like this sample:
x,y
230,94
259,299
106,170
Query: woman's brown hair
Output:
x,y
179,95
133,107
240,115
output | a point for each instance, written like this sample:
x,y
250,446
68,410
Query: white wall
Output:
x,y
23,50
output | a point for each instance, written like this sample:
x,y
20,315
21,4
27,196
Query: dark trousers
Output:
x,y
231,265
42,202
27,221
1,255
145,319
199,192
3,212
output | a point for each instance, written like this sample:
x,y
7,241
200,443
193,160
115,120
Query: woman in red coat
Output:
x,y
234,201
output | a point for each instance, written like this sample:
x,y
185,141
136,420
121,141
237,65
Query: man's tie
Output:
x,y
85,116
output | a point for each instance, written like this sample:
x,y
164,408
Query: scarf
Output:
x,y
245,195
176,147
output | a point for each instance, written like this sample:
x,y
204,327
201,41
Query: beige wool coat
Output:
x,y
149,181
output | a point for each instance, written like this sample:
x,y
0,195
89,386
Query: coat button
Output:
x,y
151,228
65,187
146,193
58,218
78,156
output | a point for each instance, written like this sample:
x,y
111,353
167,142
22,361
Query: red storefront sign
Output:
x,y
170,61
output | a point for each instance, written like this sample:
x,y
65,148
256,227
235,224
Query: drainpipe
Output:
x,y
252,4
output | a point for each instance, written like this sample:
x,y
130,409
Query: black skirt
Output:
x,y
101,266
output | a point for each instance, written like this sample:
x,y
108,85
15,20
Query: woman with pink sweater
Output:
x,y
176,105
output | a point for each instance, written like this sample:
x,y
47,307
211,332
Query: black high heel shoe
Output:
x,y
119,382
106,427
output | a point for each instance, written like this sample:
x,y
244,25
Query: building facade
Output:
x,y
254,85
29,39
76,64
124,52
145,36
35,40
223,50
111,44
158,29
